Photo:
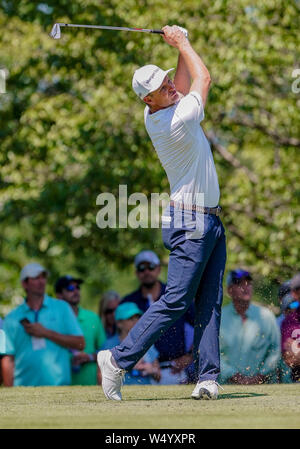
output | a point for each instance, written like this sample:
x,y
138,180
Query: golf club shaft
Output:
x,y
102,27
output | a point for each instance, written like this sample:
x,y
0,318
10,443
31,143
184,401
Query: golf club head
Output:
x,y
55,32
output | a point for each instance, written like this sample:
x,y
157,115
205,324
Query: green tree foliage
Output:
x,y
72,128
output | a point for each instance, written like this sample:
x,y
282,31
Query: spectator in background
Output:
x,y
283,290
147,369
175,345
249,336
36,350
1,347
290,332
84,366
287,305
108,304
284,372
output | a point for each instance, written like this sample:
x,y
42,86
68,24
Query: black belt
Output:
x,y
203,210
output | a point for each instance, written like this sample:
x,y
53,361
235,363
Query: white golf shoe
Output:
x,y
207,389
112,377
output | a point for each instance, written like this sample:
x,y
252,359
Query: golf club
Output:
x,y
56,31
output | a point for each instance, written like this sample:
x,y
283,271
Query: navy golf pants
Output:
x,y
197,247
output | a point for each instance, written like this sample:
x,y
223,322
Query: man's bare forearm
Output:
x,y
191,61
67,341
8,366
194,63
198,71
182,79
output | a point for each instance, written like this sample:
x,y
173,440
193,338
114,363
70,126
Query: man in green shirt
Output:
x,y
84,366
249,336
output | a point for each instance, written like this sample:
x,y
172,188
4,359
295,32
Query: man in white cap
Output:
x,y
38,334
147,265
191,226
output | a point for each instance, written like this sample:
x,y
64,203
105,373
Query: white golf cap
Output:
x,y
147,79
146,256
32,270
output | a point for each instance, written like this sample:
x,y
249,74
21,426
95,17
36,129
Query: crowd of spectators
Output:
x,y
54,340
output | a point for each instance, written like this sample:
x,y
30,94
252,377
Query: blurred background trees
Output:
x,y
72,128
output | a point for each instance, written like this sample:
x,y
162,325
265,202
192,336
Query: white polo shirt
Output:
x,y
184,150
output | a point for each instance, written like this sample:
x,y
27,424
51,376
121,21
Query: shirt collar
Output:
x,y
248,311
161,290
44,304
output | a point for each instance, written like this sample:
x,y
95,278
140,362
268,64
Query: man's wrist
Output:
x,y
47,333
184,46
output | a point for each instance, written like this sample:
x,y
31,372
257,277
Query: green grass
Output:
x,y
165,407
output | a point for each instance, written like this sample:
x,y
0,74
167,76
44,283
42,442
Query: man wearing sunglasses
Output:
x,y
84,366
249,336
175,345
147,265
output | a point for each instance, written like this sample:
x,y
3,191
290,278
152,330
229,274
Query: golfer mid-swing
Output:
x,y
191,227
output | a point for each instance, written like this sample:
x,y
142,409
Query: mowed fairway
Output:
x,y
165,407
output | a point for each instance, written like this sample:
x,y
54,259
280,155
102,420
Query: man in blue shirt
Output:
x,y
37,335
249,336
175,345
2,344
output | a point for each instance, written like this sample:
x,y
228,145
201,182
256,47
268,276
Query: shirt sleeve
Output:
x,y
226,370
274,353
191,110
227,367
71,325
288,326
100,332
